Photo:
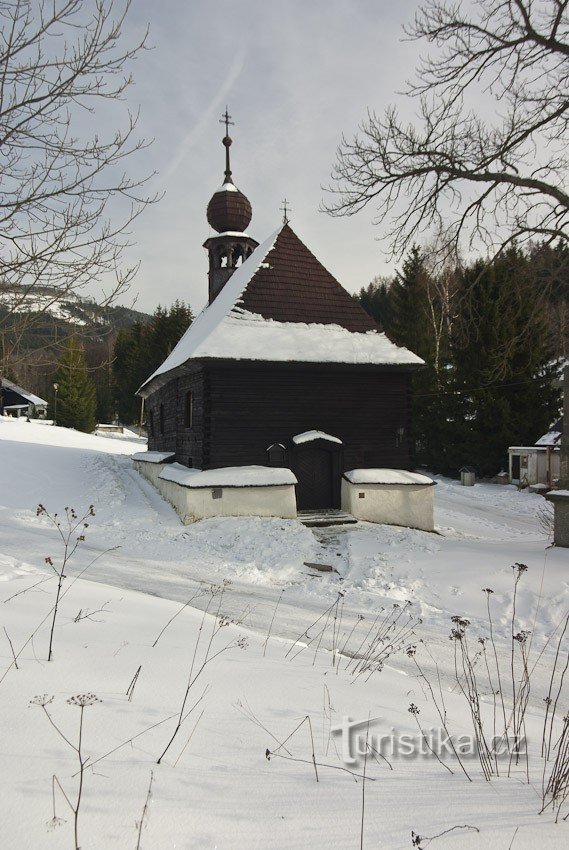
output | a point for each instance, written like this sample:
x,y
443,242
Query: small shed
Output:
x,y
538,464
16,401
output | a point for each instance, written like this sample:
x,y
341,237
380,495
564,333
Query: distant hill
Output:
x,y
45,317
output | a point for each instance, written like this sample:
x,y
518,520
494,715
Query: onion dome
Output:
x,y
229,209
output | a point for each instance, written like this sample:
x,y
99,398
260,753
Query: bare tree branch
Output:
x,y
66,201
482,176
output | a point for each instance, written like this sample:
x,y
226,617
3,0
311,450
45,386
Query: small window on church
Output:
x,y
276,454
189,409
399,437
161,418
151,423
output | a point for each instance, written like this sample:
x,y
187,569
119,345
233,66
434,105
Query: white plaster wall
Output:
x,y
150,471
192,503
411,505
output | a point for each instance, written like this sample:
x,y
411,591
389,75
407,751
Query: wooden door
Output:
x,y
314,473
515,468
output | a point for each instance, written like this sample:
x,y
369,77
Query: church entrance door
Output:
x,y
314,471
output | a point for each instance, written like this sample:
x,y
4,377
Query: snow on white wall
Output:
x,y
228,476
195,503
153,457
409,505
387,476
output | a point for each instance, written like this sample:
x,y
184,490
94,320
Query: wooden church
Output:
x,y
283,368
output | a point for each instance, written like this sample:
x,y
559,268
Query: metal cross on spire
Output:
x,y
285,210
226,119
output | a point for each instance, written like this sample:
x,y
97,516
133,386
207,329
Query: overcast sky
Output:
x,y
295,74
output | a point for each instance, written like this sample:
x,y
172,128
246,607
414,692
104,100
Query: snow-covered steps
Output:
x,y
325,517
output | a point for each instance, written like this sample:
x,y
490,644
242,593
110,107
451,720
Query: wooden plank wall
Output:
x,y
241,409
255,406
187,443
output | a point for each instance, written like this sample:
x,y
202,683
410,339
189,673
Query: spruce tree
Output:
x,y
139,351
375,299
76,397
410,321
504,360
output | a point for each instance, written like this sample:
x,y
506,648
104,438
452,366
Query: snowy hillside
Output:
x,y
45,307
231,607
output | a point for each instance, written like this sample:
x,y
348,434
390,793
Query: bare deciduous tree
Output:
x,y
477,176
66,199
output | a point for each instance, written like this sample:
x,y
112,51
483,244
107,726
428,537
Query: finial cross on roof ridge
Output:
x,y
226,119
285,210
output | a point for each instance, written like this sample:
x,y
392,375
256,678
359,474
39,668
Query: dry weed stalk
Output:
x,y
72,532
198,666
82,701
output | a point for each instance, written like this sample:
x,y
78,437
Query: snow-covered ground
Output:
x,y
219,790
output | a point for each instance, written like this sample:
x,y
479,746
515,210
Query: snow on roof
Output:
x,y
307,436
552,438
233,233
528,449
212,316
223,330
153,457
553,494
386,476
30,397
227,187
228,476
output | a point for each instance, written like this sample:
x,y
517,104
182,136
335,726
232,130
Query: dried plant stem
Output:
x,y
144,811
364,789
440,711
207,659
269,754
12,648
50,612
194,727
70,544
495,651
426,740
312,742
271,623
131,687
31,587
177,614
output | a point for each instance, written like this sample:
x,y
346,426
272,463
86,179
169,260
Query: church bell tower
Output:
x,y
229,213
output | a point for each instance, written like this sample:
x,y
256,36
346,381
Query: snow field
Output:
x,y
222,792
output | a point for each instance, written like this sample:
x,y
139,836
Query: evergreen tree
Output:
x,y
504,362
76,397
491,350
375,299
140,350
415,321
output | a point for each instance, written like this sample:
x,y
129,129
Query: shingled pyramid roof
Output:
x,y
282,305
295,287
